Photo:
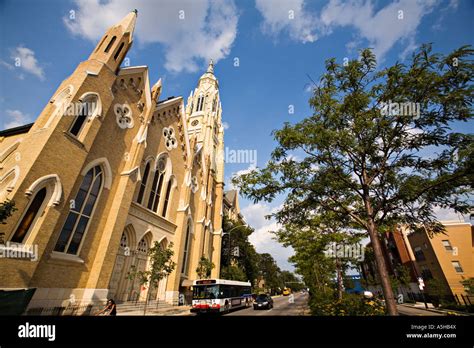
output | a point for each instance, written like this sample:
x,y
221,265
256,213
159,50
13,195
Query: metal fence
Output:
x,y
462,300
77,310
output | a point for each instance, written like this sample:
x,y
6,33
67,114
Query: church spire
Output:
x,y
128,22
210,68
114,45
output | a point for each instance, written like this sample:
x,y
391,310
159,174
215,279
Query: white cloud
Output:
x,y
262,238
26,60
247,170
16,118
225,125
208,29
382,29
443,214
289,16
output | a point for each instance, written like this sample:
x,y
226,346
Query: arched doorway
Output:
x,y
120,285
140,261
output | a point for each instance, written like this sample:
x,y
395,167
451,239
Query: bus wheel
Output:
x,y
226,307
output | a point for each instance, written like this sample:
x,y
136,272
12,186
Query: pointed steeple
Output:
x,y
209,74
210,68
128,22
116,42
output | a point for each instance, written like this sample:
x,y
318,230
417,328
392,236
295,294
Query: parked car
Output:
x,y
263,301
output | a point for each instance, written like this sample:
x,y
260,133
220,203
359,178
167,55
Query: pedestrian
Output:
x,y
109,309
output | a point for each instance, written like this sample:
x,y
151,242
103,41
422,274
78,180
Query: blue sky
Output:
x,y
276,42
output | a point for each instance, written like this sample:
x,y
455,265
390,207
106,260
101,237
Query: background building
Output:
x,y
447,257
442,260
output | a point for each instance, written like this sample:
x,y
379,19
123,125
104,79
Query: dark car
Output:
x,y
263,301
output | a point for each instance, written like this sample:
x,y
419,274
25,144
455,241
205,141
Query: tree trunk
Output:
x,y
146,300
382,269
339,279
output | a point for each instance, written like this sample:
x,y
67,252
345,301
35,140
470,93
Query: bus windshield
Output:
x,y
201,292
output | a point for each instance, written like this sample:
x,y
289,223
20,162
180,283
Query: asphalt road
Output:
x,y
281,306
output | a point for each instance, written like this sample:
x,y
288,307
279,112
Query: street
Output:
x,y
281,306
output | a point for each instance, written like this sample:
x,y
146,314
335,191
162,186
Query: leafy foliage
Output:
x,y
205,268
7,208
161,265
369,165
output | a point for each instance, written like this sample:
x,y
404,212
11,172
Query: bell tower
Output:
x,y
117,40
204,119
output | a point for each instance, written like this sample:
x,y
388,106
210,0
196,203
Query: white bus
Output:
x,y
220,295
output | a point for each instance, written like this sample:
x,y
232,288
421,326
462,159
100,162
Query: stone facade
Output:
x,y
105,171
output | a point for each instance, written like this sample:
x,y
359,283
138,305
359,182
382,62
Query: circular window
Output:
x,y
194,123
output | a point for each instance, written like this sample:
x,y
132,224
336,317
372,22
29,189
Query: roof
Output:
x,y
168,99
16,130
230,195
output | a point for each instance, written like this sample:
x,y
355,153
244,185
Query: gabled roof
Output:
x,y
16,130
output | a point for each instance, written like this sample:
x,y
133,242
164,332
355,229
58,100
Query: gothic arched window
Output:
x,y
200,103
80,213
157,185
143,183
118,51
187,243
88,107
167,197
29,217
107,49
214,104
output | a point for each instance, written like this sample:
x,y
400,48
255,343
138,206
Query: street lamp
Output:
x,y
228,232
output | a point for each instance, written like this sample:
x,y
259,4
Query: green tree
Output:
x,y
161,266
237,238
233,272
270,272
7,208
365,148
204,268
468,285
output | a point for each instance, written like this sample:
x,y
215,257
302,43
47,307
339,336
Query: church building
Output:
x,y
106,171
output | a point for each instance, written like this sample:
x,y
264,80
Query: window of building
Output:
x,y
143,246
143,183
200,103
80,213
214,103
112,41
88,107
29,217
419,255
447,245
457,266
167,197
426,273
155,192
187,242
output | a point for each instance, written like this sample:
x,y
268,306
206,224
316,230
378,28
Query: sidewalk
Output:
x,y
175,311
431,308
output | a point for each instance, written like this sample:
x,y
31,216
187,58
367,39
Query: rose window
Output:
x,y
170,138
123,115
